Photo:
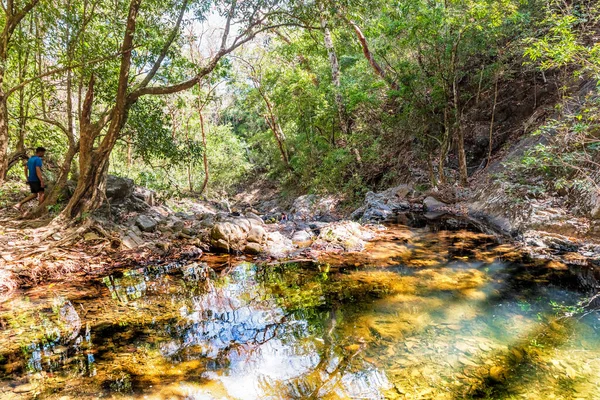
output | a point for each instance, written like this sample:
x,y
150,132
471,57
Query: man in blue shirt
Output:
x,y
35,180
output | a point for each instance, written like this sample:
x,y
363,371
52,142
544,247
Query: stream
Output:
x,y
426,312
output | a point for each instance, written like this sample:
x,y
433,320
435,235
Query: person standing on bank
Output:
x,y
35,180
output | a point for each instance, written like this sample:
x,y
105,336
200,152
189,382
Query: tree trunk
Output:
x,y
204,153
460,139
491,138
432,178
444,148
89,193
3,135
93,163
271,120
335,73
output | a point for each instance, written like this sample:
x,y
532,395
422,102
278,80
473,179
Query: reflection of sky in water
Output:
x,y
259,344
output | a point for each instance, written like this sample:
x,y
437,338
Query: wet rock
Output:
x,y
432,204
498,373
145,223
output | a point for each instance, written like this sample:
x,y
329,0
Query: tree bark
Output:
x,y
380,71
335,73
93,163
460,139
491,138
204,151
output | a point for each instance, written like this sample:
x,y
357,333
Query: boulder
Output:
x,y
380,206
432,204
312,207
146,223
257,235
254,217
118,188
302,237
278,246
253,248
345,236
144,194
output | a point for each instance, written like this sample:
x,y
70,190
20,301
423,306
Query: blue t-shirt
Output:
x,y
32,163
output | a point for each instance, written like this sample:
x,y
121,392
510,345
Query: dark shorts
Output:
x,y
36,187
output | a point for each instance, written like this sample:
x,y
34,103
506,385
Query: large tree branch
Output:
x,y
188,84
228,26
14,19
368,55
165,49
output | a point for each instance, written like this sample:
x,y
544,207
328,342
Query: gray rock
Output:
x,y
131,240
346,236
312,207
146,224
176,226
144,194
254,217
118,188
380,206
188,232
278,246
432,204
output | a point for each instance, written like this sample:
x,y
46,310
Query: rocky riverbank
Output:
x,y
133,228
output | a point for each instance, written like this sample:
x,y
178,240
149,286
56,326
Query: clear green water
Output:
x,y
424,314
